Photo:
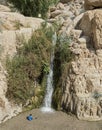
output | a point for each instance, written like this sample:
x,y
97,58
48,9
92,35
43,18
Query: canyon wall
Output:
x,y
13,27
82,88
82,91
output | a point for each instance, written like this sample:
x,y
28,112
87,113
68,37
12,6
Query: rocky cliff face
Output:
x,y
12,26
82,92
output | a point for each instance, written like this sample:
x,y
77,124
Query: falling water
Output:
x,y
49,89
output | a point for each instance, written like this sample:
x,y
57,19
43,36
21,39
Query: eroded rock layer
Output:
x,y
82,89
82,92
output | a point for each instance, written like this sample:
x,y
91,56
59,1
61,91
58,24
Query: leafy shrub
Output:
x,y
63,56
33,7
29,66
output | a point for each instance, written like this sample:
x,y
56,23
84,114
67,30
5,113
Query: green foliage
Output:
x,y
30,65
33,7
97,95
17,24
45,67
63,57
57,98
63,48
54,2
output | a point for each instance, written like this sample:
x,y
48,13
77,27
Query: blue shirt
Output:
x,y
30,118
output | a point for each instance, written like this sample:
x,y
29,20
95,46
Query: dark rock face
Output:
x,y
65,1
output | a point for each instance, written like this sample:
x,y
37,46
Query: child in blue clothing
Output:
x,y
30,117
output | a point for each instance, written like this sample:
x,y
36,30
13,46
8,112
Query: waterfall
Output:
x,y
49,87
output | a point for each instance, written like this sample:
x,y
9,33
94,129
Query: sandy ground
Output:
x,y
52,121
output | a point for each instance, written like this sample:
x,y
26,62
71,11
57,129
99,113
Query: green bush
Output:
x,y
30,65
33,7
63,57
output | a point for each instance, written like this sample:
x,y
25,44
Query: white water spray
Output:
x,y
49,89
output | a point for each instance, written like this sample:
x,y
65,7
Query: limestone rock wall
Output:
x,y
93,20
82,91
13,26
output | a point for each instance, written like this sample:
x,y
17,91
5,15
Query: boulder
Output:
x,y
91,24
4,8
92,4
97,30
52,8
55,13
16,21
60,6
